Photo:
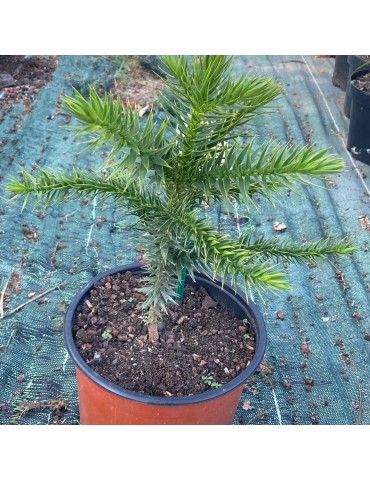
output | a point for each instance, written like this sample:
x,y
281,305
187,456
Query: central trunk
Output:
x,y
153,326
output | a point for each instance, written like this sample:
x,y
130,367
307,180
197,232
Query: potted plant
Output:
x,y
355,63
340,72
358,142
145,351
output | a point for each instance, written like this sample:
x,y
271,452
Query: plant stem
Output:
x,y
153,326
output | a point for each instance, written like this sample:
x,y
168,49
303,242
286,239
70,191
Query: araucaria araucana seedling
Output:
x,y
166,174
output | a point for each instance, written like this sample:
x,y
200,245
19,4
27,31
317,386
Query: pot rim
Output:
x,y
355,61
249,307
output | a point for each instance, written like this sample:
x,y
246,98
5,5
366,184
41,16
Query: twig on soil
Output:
x,y
69,214
10,339
57,406
360,406
16,309
3,294
261,414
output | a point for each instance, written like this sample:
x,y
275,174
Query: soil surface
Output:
x,y
202,345
363,82
21,78
138,82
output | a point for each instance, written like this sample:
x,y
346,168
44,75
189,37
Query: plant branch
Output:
x,y
243,171
297,253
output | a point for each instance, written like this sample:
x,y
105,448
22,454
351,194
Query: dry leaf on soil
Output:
x,y
247,405
279,227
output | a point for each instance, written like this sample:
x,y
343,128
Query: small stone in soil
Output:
x,y
208,302
308,381
305,349
287,385
279,227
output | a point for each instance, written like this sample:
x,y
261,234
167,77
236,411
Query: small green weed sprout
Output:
x,y
210,381
107,335
124,300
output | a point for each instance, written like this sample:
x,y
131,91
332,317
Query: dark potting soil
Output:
x,y
22,77
363,82
200,342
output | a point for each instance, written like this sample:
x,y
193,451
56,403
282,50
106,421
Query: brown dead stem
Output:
x,y
3,294
16,309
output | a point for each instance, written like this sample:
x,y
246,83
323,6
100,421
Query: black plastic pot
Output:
x,y
358,142
340,72
104,403
354,62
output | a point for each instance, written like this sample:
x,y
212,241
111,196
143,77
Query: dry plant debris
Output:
x,y
57,406
137,85
11,287
365,222
279,227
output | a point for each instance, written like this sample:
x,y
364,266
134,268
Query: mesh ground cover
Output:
x,y
316,369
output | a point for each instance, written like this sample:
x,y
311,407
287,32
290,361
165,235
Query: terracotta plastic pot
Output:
x,y
101,402
358,142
